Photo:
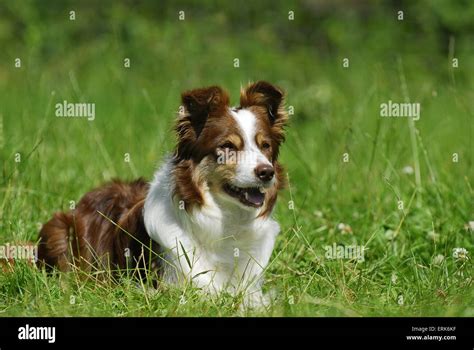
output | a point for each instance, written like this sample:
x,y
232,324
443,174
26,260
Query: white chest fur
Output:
x,y
217,247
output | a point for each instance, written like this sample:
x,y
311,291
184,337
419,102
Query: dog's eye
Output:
x,y
265,145
228,145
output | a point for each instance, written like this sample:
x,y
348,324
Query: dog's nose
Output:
x,y
264,172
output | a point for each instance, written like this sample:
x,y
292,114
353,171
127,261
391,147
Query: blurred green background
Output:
x,y
336,111
83,60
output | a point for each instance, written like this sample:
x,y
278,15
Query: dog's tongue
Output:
x,y
254,196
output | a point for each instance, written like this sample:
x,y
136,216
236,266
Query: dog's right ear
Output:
x,y
198,105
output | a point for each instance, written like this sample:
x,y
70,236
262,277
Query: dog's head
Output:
x,y
231,152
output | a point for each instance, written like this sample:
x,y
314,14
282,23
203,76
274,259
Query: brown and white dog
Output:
x,y
207,210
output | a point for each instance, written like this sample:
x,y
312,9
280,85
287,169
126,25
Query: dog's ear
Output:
x,y
265,95
199,105
272,100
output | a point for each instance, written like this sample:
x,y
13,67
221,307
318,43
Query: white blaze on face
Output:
x,y
251,156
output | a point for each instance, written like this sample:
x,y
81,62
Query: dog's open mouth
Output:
x,y
251,196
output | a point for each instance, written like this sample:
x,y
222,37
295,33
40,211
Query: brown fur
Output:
x,y
187,188
266,102
207,124
106,222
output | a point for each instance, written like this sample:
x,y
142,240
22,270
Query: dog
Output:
x,y
206,216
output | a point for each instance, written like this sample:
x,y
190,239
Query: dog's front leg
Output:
x,y
188,266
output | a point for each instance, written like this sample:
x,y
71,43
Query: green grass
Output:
x,y
336,112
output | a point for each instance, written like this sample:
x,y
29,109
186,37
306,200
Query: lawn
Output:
x,y
399,188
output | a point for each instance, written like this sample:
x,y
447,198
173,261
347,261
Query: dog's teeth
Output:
x,y
261,190
246,195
